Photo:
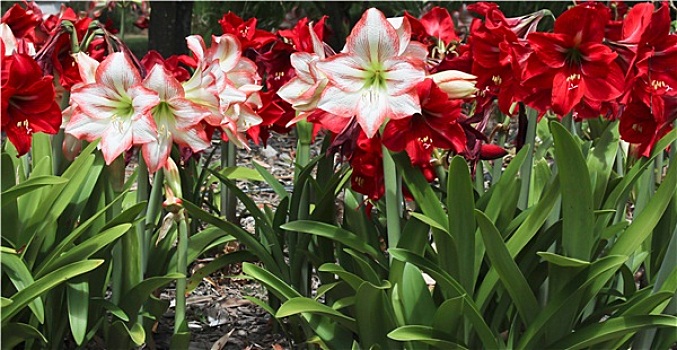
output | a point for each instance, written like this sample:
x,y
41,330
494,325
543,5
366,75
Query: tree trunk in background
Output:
x,y
169,26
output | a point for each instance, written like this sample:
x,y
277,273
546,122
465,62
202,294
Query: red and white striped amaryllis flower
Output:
x,y
177,119
116,108
223,71
375,77
304,90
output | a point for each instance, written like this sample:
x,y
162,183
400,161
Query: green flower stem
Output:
x,y
228,199
153,211
115,175
304,133
393,197
182,267
123,11
525,170
60,162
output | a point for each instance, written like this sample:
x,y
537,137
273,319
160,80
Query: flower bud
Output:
x,y
490,151
71,147
455,83
172,177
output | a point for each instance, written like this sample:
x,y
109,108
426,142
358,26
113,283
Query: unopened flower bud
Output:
x,y
172,177
490,151
455,83
71,147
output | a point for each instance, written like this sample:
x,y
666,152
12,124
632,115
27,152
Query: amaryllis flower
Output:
x,y
176,64
435,127
23,21
573,62
305,89
177,119
367,164
114,109
245,31
644,126
223,73
303,35
370,79
28,104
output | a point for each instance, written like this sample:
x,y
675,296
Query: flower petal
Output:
x,y
344,71
373,38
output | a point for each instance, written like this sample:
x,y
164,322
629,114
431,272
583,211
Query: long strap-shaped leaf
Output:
x,y
42,285
512,278
611,329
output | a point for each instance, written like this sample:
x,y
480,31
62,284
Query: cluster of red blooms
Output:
x,y
400,83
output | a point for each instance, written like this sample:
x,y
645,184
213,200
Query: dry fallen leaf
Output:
x,y
219,344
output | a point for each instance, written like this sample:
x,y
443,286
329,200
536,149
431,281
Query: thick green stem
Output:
x,y
182,268
115,175
304,133
525,170
228,198
123,12
59,164
153,211
393,196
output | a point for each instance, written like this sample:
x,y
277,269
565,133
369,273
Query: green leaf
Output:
x,y
126,216
424,334
243,236
578,236
460,205
642,226
5,301
429,221
272,181
29,185
14,334
350,278
612,329
21,278
417,303
333,232
562,261
241,173
77,294
524,234
421,190
272,282
452,289
512,278
299,305
601,160
449,316
87,248
131,302
44,284
374,317
598,272
137,334
112,308
215,265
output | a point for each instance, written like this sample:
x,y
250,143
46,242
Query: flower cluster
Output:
x,y
404,84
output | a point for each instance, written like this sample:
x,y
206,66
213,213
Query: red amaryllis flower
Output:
x,y
435,126
175,64
245,31
28,104
573,60
367,164
23,20
300,36
649,51
643,126
434,28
